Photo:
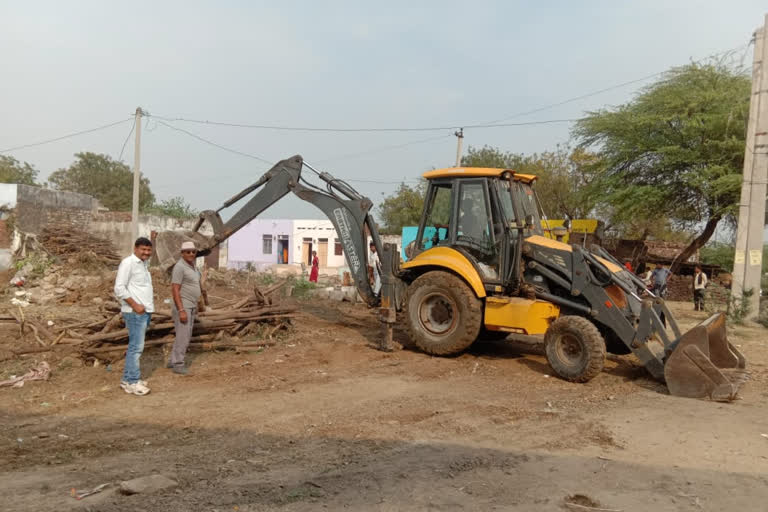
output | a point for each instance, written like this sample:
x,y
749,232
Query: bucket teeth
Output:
x,y
704,364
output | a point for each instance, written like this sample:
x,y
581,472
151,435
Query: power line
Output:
x,y
611,88
133,127
214,144
70,135
356,130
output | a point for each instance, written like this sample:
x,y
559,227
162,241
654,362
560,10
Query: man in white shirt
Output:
x,y
133,287
699,285
375,262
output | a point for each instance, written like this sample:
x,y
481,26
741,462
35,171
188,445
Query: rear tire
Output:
x,y
443,314
575,349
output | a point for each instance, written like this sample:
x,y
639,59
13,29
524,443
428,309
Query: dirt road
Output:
x,y
323,421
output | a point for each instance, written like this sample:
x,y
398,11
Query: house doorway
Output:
x,y
322,251
282,249
306,251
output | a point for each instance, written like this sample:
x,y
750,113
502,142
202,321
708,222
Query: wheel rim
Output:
x,y
570,350
438,313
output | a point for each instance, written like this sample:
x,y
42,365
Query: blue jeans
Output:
x,y
137,328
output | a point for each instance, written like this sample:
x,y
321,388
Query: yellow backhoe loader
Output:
x,y
481,268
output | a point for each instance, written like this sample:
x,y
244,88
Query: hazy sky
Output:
x,y
71,66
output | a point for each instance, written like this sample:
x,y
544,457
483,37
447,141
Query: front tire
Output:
x,y
443,314
575,348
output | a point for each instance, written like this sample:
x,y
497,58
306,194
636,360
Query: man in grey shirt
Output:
x,y
185,291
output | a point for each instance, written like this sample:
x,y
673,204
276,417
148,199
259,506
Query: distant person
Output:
x,y
375,264
133,287
628,265
315,268
660,277
647,278
186,289
700,282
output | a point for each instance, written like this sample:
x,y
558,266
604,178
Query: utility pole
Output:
x,y
747,262
460,138
136,177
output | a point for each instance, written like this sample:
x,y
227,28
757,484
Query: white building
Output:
x,y
317,235
267,242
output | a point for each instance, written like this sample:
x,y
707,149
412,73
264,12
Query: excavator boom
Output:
x,y
348,211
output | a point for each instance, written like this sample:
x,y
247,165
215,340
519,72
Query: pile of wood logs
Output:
x,y
225,324
64,240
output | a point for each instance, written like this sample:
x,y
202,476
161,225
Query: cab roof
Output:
x,y
476,172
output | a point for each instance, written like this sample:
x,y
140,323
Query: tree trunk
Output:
x,y
696,244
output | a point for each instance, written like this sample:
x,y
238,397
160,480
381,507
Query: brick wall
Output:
x,y
38,207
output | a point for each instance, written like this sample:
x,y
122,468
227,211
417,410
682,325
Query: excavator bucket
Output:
x,y
167,246
704,364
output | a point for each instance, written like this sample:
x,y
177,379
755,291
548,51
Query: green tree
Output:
x,y
13,171
402,208
173,207
105,179
718,254
676,151
562,174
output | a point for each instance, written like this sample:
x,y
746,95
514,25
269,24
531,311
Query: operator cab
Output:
x,y
482,213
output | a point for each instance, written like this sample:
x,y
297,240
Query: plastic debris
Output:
x,y
42,372
78,495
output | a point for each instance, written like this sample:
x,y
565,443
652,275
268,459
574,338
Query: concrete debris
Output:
x,y
148,484
337,293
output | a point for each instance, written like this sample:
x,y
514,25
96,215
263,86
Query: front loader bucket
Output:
x,y
704,364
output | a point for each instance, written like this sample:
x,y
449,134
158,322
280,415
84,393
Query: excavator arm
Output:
x,y
348,211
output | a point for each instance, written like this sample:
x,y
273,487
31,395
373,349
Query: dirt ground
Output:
x,y
324,421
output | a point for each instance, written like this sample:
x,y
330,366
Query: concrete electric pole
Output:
x,y
460,139
747,262
136,178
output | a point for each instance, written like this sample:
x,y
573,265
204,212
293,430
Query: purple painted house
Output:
x,y
262,242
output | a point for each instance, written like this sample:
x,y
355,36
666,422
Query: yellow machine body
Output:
x,y
508,314
519,315
450,259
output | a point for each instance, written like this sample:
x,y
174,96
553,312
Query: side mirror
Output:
x,y
567,223
529,221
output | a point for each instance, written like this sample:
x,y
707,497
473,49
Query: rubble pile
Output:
x,y
78,247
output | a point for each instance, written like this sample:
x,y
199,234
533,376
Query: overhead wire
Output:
x,y
63,137
214,144
354,130
612,88
133,127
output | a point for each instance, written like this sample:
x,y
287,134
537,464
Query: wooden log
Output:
x,y
249,317
88,324
254,309
156,328
45,333
111,324
194,341
272,289
20,322
36,335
